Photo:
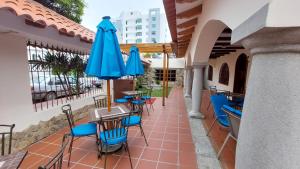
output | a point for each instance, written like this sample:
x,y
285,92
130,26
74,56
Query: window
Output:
x,y
153,25
139,20
131,13
138,27
153,33
171,75
210,73
153,40
126,22
138,40
224,74
153,18
126,35
139,34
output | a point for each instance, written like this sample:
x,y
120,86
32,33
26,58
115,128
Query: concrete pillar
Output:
x,y
197,91
269,135
188,81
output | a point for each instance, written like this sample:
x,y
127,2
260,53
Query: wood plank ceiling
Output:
x,y
182,18
223,46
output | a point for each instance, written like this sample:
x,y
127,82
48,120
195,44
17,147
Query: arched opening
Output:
x,y
224,74
240,75
210,73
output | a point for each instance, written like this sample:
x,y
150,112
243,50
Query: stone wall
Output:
x,y
37,132
179,77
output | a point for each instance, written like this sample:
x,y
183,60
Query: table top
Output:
x,y
131,93
103,113
12,161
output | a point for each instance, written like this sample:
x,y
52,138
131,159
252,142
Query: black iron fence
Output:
x,y
57,75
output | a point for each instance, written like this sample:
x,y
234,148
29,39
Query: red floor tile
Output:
x,y
167,131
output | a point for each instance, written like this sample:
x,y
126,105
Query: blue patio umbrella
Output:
x,y
106,61
134,66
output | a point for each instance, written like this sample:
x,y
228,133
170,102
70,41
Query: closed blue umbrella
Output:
x,y
134,66
106,61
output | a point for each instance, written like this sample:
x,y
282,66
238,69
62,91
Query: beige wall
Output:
x,y
230,59
15,93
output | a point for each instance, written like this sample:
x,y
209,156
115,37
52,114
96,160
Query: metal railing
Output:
x,y
57,76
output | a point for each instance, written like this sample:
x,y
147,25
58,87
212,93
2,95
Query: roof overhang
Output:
x,y
182,16
149,47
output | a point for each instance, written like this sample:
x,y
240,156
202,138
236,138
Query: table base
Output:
x,y
112,148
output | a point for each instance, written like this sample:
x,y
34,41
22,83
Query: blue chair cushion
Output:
x,y
138,102
218,100
146,97
84,130
128,97
121,100
131,121
114,136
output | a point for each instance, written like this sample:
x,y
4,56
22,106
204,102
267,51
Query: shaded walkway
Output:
x,y
167,130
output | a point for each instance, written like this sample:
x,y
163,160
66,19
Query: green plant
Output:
x,y
72,9
157,81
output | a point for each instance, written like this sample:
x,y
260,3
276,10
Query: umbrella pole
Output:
x,y
108,96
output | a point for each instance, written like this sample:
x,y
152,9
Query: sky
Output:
x,y
96,9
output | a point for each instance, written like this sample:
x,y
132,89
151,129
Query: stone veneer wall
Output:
x,y
179,77
37,132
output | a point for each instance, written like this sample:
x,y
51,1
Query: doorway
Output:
x,y
240,76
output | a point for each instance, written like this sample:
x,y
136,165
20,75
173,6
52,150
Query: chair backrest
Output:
x,y
234,117
212,90
150,89
57,160
218,100
114,124
68,112
100,101
6,132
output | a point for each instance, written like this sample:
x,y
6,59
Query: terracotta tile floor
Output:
x,y
168,134
218,135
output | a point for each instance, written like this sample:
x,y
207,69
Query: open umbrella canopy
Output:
x,y
106,61
134,66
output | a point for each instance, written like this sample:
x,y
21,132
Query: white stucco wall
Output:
x,y
230,59
15,93
174,63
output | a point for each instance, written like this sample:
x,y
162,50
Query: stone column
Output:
x,y
188,81
269,135
197,91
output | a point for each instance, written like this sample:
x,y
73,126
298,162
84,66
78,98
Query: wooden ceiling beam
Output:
x,y
190,12
184,1
187,31
229,47
224,38
188,23
184,38
223,50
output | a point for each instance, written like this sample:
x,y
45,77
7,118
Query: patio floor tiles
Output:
x,y
167,131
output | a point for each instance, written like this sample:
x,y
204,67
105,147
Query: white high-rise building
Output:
x,y
136,27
